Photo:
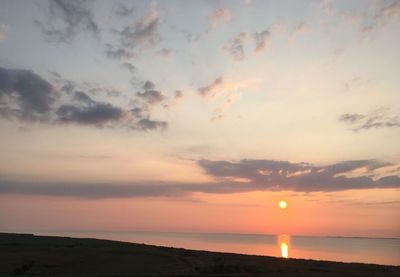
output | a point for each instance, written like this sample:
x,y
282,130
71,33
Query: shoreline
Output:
x,y
382,251
30,254
194,233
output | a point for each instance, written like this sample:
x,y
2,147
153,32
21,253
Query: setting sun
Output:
x,y
283,204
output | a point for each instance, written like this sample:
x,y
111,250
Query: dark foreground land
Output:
x,y
24,254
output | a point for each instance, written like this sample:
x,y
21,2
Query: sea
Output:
x,y
384,251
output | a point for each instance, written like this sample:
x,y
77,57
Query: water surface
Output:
x,y
365,250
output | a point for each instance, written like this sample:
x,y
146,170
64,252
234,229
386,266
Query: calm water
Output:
x,y
365,250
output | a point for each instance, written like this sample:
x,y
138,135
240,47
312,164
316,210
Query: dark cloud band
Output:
x,y
259,175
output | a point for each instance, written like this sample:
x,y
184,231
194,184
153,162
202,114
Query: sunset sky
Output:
x,y
200,116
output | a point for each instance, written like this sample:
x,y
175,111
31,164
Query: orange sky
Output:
x,y
256,212
142,115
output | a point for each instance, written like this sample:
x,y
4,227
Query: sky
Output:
x,y
200,116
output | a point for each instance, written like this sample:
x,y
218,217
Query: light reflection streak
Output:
x,y
284,243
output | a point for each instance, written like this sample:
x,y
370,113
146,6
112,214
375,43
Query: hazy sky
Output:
x,y
200,116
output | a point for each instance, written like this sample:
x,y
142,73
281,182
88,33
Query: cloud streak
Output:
x,y
230,177
377,119
305,177
211,89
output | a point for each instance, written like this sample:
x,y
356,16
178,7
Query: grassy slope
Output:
x,y
29,254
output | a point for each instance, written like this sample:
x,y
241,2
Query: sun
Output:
x,y
283,204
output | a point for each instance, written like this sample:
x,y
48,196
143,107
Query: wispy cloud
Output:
x,y
356,81
118,53
145,102
143,32
226,93
261,40
235,47
151,97
228,101
129,66
297,30
211,89
148,124
385,12
219,16
68,17
380,118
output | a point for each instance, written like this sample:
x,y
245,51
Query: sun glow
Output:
x,y
283,204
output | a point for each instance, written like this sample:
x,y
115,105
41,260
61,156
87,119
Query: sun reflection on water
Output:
x,y
284,242
284,250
